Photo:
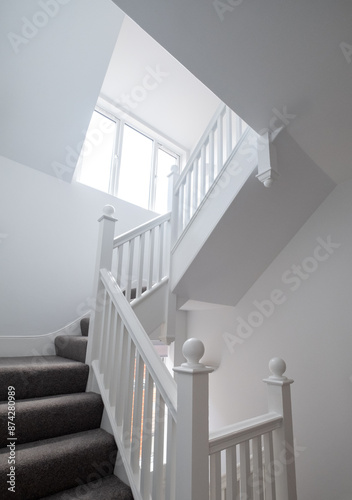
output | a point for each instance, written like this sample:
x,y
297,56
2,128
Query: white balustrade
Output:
x,y
205,164
257,454
161,428
140,258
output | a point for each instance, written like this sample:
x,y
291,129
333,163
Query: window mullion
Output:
x,y
117,156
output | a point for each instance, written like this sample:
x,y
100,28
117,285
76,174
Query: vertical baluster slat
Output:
x,y
188,191
228,131
151,258
104,306
158,466
116,357
180,217
231,473
137,414
195,186
140,265
269,474
147,436
245,472
161,251
130,269
111,350
258,487
171,459
238,128
220,143
211,158
121,368
128,393
106,338
215,476
203,175
120,252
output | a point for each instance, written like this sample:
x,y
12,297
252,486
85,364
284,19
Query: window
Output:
x,y
123,161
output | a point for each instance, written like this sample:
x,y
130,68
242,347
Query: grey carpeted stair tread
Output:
x,y
43,418
71,347
53,465
39,376
84,324
107,488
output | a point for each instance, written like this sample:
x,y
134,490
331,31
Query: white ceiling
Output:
x,y
176,104
267,55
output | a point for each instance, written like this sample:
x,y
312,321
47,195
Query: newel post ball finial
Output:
x,y
277,366
109,210
193,350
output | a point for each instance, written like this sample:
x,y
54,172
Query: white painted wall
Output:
x,y
48,241
54,55
310,327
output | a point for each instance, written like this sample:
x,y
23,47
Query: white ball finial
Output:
x,y
109,210
277,366
269,182
193,350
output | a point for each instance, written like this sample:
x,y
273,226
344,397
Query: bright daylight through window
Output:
x,y
120,160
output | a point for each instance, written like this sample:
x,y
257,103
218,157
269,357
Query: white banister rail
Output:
x,y
141,259
257,455
139,394
205,164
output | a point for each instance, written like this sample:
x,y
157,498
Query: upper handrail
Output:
x,y
232,435
139,230
197,149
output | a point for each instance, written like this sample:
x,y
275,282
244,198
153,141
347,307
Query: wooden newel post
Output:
x,y
192,435
279,401
103,261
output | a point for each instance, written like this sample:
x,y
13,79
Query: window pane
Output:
x,y
136,161
97,153
165,162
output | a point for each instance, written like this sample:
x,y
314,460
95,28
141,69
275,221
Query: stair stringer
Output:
x,y
236,171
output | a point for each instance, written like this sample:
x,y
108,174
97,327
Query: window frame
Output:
x,y
159,142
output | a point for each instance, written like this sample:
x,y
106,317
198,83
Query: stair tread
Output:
x,y
38,361
52,416
39,376
107,488
75,459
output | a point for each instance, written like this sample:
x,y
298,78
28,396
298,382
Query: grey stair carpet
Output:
x,y
59,445
106,488
42,418
52,465
72,347
39,376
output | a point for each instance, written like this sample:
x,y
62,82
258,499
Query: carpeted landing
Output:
x,y
53,447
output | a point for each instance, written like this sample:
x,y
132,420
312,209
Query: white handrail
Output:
x,y
205,164
161,376
243,431
201,142
139,230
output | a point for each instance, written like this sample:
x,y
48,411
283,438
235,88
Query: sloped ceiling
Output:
x,y
145,81
268,58
53,60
